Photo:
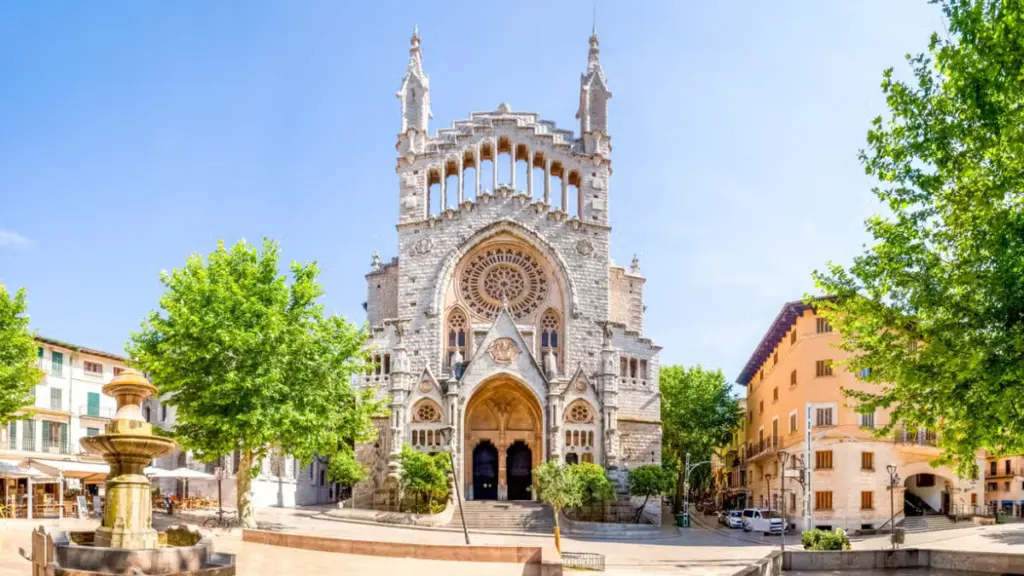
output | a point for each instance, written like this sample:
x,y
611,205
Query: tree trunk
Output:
x,y
243,489
640,511
677,500
558,534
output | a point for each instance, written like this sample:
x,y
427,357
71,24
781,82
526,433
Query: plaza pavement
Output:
x,y
696,551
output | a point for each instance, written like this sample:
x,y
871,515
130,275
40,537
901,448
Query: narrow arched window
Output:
x,y
456,338
549,337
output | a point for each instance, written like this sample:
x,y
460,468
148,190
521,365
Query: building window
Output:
x,y
323,477
623,367
992,468
93,368
823,368
1006,486
1007,467
57,363
867,500
147,413
117,370
863,373
792,502
823,460
458,327
572,458
823,501
992,487
760,407
56,399
775,394
92,431
775,432
824,417
792,423
867,460
775,358
823,326
12,435
28,437
750,417
974,499
549,336
633,368
792,336
760,375
792,378
925,480
92,407
867,420
163,413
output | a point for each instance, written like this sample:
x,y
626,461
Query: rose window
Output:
x,y
579,413
499,276
427,413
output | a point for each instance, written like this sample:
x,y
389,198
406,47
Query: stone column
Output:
x,y
494,166
512,161
565,190
444,187
502,470
476,173
554,421
547,181
529,174
397,390
461,168
453,419
608,384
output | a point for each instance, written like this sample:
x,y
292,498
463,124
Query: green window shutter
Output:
x,y
93,408
28,440
57,364
39,351
12,435
63,438
92,431
47,437
56,399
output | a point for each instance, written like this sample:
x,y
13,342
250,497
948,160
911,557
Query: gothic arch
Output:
x,y
579,411
427,411
519,232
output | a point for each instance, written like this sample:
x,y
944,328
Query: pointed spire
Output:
x,y
593,58
415,61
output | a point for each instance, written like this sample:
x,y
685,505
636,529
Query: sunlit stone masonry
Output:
x,y
503,318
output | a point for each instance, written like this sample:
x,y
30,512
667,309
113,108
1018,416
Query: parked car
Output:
x,y
734,519
765,521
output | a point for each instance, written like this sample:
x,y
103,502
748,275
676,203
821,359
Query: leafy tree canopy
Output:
x,y
425,475
252,361
595,487
935,307
698,414
18,369
647,481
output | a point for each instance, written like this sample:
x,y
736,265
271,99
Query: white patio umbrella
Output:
x,y
182,473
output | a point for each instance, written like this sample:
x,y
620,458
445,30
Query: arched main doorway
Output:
x,y
506,417
520,471
485,471
926,494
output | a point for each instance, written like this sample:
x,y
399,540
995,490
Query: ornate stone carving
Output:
x,y
426,386
581,386
579,413
424,246
427,412
503,350
584,247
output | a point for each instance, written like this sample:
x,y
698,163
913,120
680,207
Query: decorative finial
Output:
x,y
634,266
504,302
375,261
593,26
504,108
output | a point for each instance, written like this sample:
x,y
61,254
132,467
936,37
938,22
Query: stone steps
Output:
x,y
927,523
511,516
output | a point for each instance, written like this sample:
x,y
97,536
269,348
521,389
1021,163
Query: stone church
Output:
x,y
502,328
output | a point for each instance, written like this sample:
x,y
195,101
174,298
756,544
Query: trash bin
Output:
x,y
899,535
683,520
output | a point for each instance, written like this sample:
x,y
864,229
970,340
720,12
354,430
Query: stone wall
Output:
x,y
626,298
382,294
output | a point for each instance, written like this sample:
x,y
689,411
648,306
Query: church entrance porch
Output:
x,y
503,436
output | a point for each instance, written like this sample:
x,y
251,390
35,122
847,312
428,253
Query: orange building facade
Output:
x,y
836,467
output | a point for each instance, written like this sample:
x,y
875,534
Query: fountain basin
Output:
x,y
188,553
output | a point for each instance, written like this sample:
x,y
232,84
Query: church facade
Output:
x,y
502,329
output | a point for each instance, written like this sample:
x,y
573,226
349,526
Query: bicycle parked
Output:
x,y
224,519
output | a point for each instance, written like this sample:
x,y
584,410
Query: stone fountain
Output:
x,y
126,542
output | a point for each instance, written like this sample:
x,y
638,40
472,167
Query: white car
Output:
x,y
734,519
765,521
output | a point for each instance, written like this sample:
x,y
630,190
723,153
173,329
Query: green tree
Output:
x,y
698,414
647,481
251,361
935,307
18,369
595,487
560,488
424,475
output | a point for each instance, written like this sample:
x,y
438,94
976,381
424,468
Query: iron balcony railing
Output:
x,y
761,447
919,437
55,446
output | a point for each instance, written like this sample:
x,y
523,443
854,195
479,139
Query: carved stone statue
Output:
x,y
550,365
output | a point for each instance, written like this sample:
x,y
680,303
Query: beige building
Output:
x,y
1004,483
729,468
837,469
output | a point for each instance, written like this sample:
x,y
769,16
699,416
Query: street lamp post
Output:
x,y
448,433
783,458
768,490
894,480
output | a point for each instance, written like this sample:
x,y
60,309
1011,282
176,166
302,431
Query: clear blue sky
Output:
x,y
135,133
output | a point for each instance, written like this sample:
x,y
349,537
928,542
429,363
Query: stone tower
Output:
x,y
502,321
